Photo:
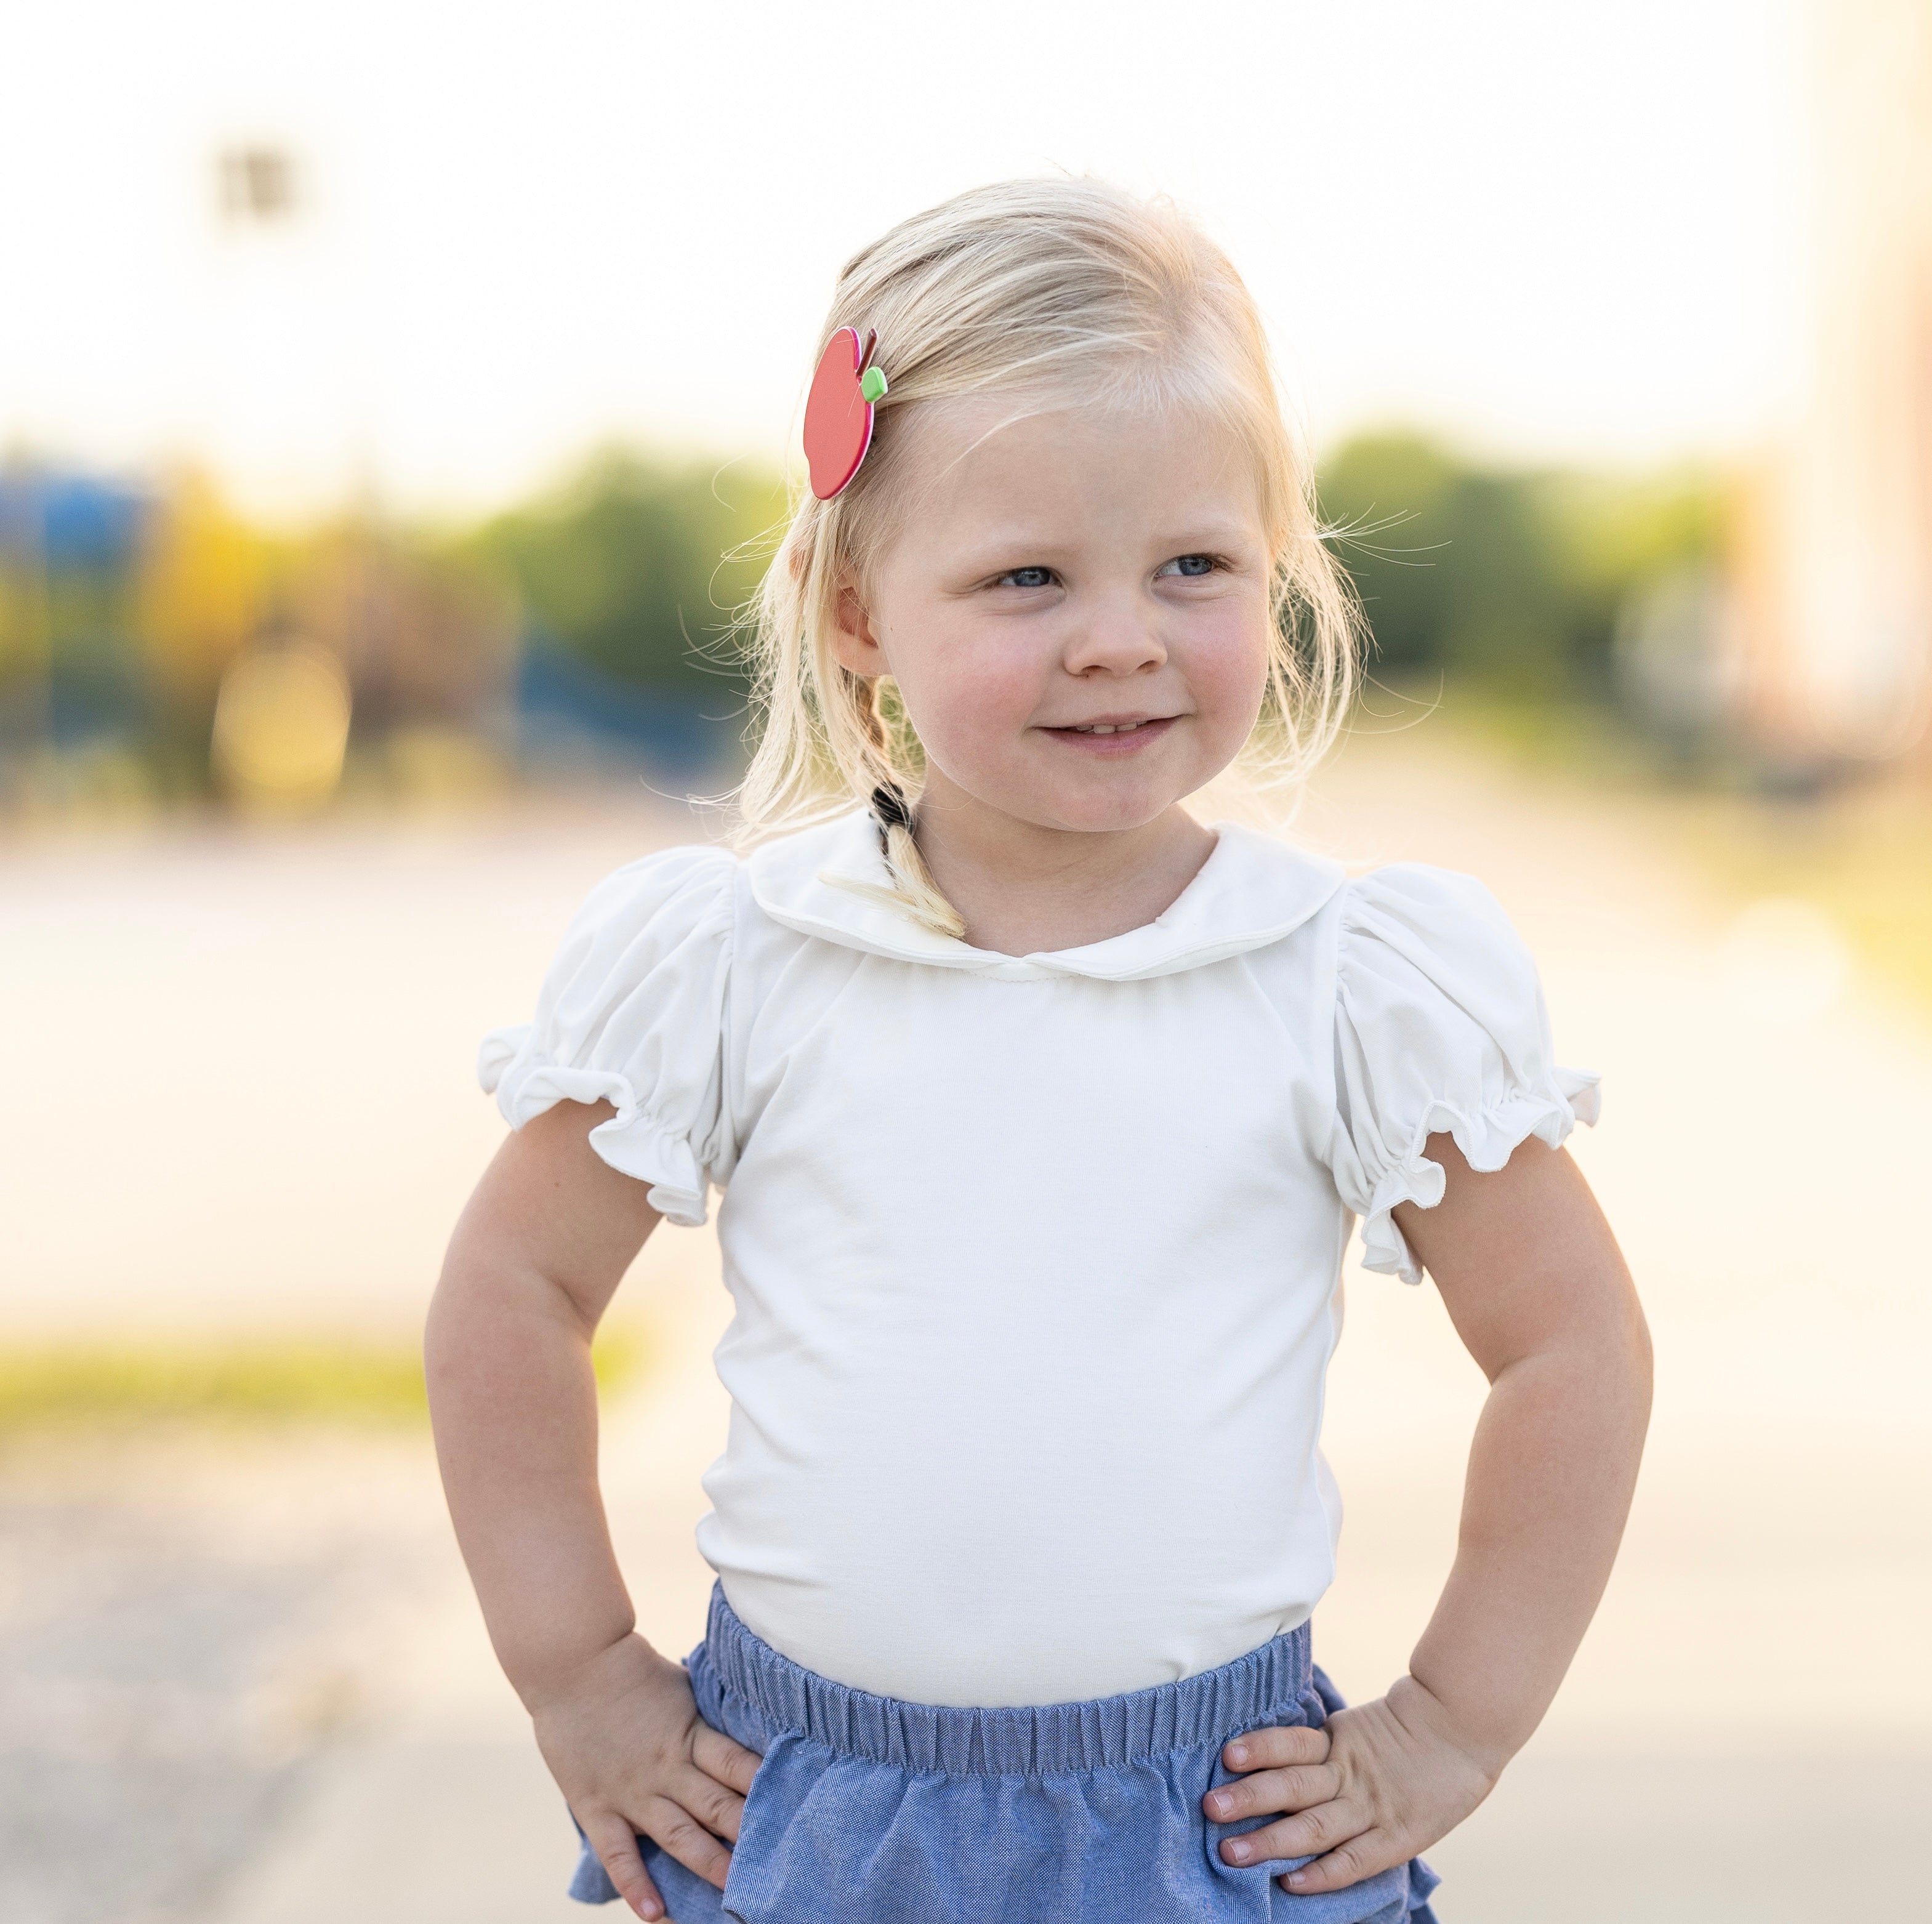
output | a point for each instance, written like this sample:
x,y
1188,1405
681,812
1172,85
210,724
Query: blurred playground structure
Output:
x,y
155,648
1767,618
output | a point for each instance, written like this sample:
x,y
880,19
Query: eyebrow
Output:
x,y
1006,545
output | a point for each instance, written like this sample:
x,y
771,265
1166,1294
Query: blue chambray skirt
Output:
x,y
870,1811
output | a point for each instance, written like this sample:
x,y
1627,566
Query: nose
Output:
x,y
1116,636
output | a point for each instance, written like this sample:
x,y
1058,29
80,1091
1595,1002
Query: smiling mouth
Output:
x,y
1111,727
1120,737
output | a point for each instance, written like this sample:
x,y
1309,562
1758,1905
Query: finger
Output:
x,y
615,1845
1278,1745
1361,1857
679,1832
715,1807
1305,1835
1268,1791
717,1756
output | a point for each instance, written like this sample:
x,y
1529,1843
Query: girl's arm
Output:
x,y
535,1258
1538,1290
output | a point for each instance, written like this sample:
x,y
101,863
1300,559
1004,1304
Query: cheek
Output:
x,y
1225,661
968,688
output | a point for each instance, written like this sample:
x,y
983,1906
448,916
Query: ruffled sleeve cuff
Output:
x,y
633,1143
1487,1138
631,1013
1441,1029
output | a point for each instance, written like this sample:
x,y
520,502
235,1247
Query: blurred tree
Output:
x,y
426,637
638,568
1457,566
1510,579
1385,496
1618,538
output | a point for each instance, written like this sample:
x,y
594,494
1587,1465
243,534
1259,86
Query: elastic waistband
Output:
x,y
1267,1685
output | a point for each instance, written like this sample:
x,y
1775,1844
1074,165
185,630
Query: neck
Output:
x,y
1024,890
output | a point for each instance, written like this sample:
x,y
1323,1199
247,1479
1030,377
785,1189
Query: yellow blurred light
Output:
x,y
281,726
205,585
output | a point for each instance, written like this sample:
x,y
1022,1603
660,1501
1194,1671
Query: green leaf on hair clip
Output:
x,y
873,387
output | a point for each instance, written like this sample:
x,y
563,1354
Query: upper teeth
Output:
x,y
1104,728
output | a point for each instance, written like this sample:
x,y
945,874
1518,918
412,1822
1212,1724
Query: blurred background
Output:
x,y
395,403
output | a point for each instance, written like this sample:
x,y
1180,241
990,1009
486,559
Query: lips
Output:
x,y
1113,734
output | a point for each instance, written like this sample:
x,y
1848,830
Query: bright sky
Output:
x,y
1557,231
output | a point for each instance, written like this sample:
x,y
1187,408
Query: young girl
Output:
x,y
1042,1112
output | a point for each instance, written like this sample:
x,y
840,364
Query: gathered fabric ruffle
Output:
x,y
1440,1029
633,1142
1487,1138
632,1012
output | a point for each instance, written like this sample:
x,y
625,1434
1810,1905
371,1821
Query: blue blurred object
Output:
x,y
71,521
76,539
574,721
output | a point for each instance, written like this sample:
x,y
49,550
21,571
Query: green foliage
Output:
x,y
637,567
1613,537
317,1379
1510,579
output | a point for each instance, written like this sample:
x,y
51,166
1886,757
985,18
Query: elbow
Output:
x,y
449,1333
1636,1358
493,1301
473,1301
1611,1365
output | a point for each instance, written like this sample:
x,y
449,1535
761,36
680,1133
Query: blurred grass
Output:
x,y
1860,852
1575,742
1863,857
309,1379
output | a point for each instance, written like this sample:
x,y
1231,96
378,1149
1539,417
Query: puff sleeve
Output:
x,y
1440,1027
632,1012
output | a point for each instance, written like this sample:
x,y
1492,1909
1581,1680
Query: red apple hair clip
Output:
x,y
838,410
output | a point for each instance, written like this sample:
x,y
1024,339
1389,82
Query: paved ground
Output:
x,y
260,1047
187,1630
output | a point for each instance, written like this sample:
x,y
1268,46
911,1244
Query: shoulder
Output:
x,y
1414,893
646,956
1446,926
631,1013
1436,991
673,899
1441,1027
1430,970
693,876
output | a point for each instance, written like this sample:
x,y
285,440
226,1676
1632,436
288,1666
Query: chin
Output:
x,y
1104,814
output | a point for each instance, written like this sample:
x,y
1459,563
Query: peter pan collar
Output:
x,y
1251,890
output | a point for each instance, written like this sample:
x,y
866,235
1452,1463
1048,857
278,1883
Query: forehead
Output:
x,y
981,465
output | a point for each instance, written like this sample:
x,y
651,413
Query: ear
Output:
x,y
853,641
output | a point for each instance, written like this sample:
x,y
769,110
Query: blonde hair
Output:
x,y
1045,290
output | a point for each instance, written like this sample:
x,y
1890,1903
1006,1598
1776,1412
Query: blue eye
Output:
x,y
1193,564
1027,578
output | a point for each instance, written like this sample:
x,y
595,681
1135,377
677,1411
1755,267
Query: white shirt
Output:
x,y
1035,1259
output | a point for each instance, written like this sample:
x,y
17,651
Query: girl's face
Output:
x,y
1076,610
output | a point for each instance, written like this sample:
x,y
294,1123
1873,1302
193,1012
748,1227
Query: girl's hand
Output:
x,y
623,1738
1380,1783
